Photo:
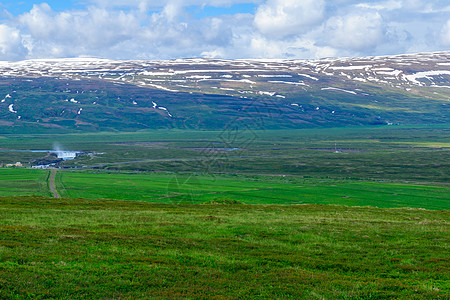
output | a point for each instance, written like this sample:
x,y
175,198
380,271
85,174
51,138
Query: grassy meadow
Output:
x,y
23,182
247,189
395,153
97,249
304,214
191,188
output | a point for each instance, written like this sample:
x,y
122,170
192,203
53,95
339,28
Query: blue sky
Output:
x,y
203,11
19,7
166,29
198,11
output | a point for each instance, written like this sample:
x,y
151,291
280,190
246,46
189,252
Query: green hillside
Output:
x,y
43,105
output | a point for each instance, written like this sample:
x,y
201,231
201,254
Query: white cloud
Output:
x,y
387,5
445,34
77,33
95,26
355,32
172,10
163,29
11,46
416,4
301,48
280,18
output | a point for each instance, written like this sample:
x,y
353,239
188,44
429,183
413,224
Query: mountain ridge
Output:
x,y
211,93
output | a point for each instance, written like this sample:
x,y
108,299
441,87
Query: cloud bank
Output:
x,y
165,29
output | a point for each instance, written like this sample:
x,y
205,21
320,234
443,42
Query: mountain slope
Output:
x,y
96,94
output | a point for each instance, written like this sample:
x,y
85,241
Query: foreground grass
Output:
x,y
75,248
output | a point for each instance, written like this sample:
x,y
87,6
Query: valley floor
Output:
x,y
172,188
329,214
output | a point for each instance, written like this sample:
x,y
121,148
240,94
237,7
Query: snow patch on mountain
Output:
x,y
308,76
165,109
11,109
428,75
6,97
338,89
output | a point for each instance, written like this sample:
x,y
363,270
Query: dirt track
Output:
x,y
52,185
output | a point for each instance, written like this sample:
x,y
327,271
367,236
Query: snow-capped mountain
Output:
x,y
399,70
410,88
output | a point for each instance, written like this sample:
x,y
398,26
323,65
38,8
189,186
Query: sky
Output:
x,y
169,29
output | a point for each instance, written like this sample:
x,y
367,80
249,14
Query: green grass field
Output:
x,y
174,188
171,214
23,182
369,153
249,189
97,249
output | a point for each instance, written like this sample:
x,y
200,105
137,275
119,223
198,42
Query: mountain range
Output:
x,y
90,94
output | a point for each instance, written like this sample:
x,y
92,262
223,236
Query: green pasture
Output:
x,y
21,181
361,137
112,249
174,188
249,189
419,153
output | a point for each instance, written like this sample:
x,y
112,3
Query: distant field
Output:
x,y
15,182
97,249
391,166
419,153
248,189
174,188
